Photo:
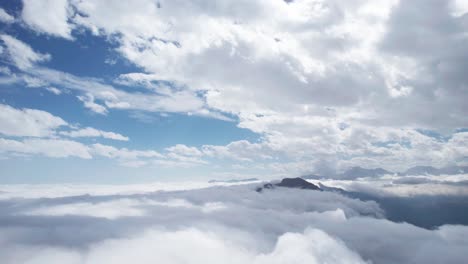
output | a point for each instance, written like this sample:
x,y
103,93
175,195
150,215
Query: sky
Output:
x,y
121,92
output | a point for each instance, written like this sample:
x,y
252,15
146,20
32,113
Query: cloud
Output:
x,y
213,225
49,17
320,82
241,150
337,63
314,246
405,186
109,210
88,101
460,7
92,132
5,17
28,122
123,153
183,156
194,243
93,89
55,148
22,55
54,90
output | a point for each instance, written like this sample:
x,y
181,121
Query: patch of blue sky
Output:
x,y
434,134
86,56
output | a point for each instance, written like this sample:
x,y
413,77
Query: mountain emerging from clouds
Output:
x,y
114,115
234,224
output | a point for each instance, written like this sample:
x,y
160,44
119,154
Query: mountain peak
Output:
x,y
297,183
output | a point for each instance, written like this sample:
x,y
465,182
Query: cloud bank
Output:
x,y
233,224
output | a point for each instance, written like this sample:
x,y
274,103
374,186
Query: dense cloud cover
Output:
x,y
321,85
326,85
228,224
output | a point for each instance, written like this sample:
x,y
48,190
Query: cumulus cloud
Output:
x,y
48,17
328,76
341,82
217,224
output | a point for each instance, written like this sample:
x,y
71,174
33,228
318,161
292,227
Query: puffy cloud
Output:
x,y
49,17
322,82
168,100
338,72
184,150
314,246
28,122
22,55
300,248
92,132
182,155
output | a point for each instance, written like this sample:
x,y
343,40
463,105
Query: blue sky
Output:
x,y
222,90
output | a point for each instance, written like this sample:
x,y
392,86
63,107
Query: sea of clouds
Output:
x,y
215,223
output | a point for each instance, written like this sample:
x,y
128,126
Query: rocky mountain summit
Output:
x,y
297,183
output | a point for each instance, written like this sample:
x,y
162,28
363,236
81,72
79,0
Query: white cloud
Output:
x,y
180,150
405,186
28,122
88,101
297,70
22,55
92,132
48,16
336,82
314,246
34,82
460,7
110,210
213,225
239,150
123,153
55,148
54,90
5,17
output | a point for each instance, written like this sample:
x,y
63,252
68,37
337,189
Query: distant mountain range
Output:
x,y
359,172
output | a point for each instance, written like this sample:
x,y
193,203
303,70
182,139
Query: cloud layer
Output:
x,y
216,224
